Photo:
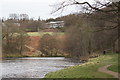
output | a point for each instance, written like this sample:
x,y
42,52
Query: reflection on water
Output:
x,y
34,67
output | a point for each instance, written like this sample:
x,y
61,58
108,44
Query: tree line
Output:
x,y
94,31
15,33
14,38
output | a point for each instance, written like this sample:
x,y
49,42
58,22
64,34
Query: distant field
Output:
x,y
42,33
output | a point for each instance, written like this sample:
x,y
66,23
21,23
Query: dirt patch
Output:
x,y
105,70
34,43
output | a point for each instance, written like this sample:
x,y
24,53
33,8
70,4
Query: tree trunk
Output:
x,y
119,26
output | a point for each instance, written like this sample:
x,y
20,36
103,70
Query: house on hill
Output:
x,y
55,24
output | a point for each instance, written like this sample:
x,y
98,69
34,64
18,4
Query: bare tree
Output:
x,y
48,45
101,6
14,38
0,40
24,17
14,16
106,10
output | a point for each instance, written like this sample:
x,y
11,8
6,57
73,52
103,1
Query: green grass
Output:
x,y
42,33
13,56
87,70
17,56
20,56
115,68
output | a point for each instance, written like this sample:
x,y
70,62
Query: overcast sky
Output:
x,y
34,8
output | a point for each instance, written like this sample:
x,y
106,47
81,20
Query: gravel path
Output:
x,y
105,70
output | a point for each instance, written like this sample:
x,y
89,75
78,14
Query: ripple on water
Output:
x,y
34,67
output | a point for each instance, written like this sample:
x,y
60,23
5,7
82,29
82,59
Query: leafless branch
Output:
x,y
106,28
95,8
74,2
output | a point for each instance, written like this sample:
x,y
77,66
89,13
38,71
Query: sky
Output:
x,y
34,8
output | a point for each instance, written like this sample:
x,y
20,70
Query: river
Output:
x,y
34,67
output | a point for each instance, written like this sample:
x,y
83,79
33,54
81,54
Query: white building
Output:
x,y
54,24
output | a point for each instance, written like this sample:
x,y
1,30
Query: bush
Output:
x,y
48,45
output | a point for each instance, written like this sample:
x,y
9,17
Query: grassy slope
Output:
x,y
115,68
87,70
42,33
12,56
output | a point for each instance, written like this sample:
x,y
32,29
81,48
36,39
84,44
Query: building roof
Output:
x,y
54,22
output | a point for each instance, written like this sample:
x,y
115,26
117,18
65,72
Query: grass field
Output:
x,y
13,55
87,70
42,33
115,68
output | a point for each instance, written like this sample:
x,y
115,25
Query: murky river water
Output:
x,y
34,67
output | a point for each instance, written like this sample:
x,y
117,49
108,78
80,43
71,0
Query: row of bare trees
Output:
x,y
110,10
29,24
86,36
50,45
18,16
33,25
14,38
14,33
94,31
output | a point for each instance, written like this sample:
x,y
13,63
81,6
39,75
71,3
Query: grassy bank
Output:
x,y
20,56
13,56
87,70
42,33
114,68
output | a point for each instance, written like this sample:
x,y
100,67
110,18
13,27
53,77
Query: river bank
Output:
x,y
22,56
89,69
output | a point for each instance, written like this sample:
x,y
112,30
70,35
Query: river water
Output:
x,y
34,67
